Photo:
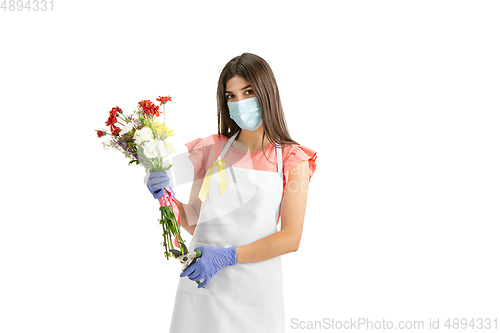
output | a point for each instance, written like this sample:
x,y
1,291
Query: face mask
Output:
x,y
246,113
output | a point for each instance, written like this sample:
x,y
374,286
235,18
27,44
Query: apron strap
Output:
x,y
228,144
280,161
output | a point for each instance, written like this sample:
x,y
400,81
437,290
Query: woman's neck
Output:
x,y
253,139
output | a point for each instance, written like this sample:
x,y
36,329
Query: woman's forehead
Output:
x,y
237,83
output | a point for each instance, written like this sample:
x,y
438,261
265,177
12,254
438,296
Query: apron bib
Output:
x,y
246,297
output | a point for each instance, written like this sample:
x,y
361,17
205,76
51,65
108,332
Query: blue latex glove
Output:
x,y
156,182
212,260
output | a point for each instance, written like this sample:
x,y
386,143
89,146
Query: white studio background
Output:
x,y
400,99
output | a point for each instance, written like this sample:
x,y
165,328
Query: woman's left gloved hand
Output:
x,y
212,260
156,182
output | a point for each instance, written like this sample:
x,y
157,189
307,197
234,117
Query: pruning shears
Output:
x,y
186,258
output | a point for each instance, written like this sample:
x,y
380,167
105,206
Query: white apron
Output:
x,y
246,297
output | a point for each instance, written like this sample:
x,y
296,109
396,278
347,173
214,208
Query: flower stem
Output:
x,y
122,117
154,127
171,230
165,234
163,129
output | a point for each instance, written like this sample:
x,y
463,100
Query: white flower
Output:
x,y
163,148
128,127
150,149
171,146
154,149
144,134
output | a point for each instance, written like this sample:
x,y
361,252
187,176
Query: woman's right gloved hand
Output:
x,y
156,182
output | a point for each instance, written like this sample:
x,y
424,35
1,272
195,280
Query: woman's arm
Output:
x,y
189,213
293,209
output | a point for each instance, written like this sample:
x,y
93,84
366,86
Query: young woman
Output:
x,y
247,177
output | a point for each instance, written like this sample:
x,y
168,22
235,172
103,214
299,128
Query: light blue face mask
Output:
x,y
246,113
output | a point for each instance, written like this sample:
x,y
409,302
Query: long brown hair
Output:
x,y
258,73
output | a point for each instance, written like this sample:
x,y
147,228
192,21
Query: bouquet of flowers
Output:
x,y
144,141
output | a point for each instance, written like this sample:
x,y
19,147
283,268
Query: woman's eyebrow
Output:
x,y
230,92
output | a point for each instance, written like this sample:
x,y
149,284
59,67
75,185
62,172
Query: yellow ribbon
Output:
x,y
206,181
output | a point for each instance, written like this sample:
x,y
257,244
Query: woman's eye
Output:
x,y
249,92
229,96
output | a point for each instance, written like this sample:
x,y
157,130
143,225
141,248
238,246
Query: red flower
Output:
x,y
100,134
149,108
114,111
164,100
115,130
111,120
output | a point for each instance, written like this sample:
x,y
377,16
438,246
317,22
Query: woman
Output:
x,y
261,175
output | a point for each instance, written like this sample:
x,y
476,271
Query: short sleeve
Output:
x,y
196,156
297,154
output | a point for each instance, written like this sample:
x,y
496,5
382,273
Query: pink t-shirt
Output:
x,y
203,152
